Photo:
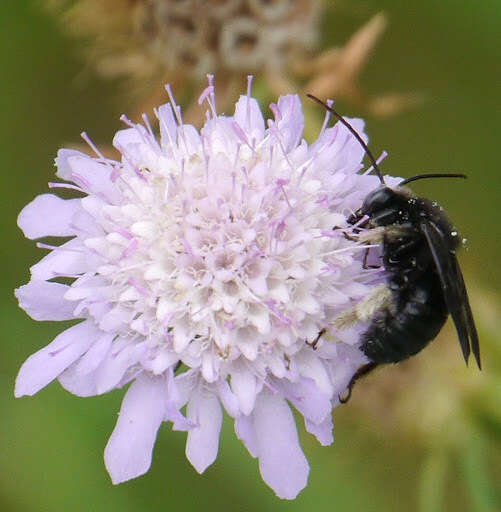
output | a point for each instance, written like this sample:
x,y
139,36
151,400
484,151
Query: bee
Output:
x,y
424,283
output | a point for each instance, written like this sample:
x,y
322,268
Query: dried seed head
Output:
x,y
193,35
181,41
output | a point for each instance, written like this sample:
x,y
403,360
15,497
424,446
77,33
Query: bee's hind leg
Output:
x,y
362,371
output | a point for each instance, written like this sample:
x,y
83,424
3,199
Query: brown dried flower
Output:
x,y
180,41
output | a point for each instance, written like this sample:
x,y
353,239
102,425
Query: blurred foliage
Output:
x,y
427,440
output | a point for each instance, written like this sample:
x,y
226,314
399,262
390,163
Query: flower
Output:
x,y
199,265
147,41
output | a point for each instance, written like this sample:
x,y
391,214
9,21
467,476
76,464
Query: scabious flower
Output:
x,y
179,41
199,265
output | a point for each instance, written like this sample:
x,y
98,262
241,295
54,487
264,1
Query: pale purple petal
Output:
x,y
310,365
117,362
228,398
337,150
134,142
77,383
67,260
180,389
344,366
127,137
45,365
189,137
322,431
82,376
129,450
63,167
95,355
94,177
220,137
48,215
179,422
44,300
312,403
202,444
290,121
244,429
243,385
249,117
282,463
168,126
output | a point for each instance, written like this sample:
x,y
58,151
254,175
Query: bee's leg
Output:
x,y
365,266
313,344
350,237
363,370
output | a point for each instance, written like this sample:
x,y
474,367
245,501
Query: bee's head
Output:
x,y
379,199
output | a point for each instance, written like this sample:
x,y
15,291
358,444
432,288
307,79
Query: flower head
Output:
x,y
179,41
200,264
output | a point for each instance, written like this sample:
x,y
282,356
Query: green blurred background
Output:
x,y
52,444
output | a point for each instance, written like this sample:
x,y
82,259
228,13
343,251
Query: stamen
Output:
x,y
327,118
41,245
138,287
177,113
130,249
127,121
381,157
53,184
175,108
94,148
274,130
249,96
349,248
205,94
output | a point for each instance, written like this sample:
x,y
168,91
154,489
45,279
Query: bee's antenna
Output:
x,y
431,175
354,132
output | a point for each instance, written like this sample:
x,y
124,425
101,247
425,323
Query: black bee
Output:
x,y
424,281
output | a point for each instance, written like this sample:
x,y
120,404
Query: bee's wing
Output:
x,y
453,287
470,323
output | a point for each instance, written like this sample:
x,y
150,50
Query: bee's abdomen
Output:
x,y
409,324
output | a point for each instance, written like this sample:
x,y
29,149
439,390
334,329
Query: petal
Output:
x,y
77,383
290,121
189,137
337,150
306,397
343,367
228,398
309,365
282,463
118,361
127,137
243,384
49,362
95,355
322,431
203,440
168,126
129,450
220,136
244,429
179,422
63,168
249,117
94,177
68,259
81,377
48,215
45,301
